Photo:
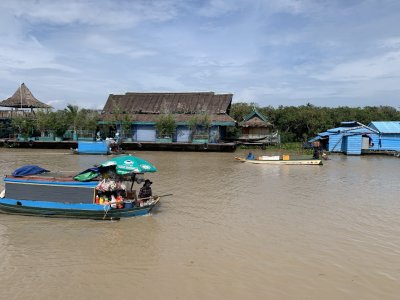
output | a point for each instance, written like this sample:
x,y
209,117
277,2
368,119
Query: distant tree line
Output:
x,y
43,123
299,123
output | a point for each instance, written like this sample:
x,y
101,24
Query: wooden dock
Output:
x,y
137,146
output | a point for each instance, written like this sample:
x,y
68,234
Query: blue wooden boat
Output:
x,y
53,196
98,147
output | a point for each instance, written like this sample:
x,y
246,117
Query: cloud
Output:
x,y
29,54
272,52
386,65
119,14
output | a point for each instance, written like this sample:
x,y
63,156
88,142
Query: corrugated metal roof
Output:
x,y
323,134
386,126
350,130
345,131
152,118
174,103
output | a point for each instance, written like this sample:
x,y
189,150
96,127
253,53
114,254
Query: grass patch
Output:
x,y
285,148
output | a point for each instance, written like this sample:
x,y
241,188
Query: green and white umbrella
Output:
x,y
129,164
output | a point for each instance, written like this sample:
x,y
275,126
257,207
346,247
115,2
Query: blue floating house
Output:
x,y
389,135
354,138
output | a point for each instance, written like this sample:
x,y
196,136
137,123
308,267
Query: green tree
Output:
x,y
166,125
239,110
298,123
123,119
199,124
24,125
60,121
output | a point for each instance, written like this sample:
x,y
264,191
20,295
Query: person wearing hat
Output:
x,y
145,191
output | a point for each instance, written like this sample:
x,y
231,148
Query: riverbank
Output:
x,y
145,146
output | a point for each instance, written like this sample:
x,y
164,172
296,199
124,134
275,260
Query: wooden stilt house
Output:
x,y
197,117
255,125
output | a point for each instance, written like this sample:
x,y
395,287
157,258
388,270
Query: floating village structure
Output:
x,y
354,138
257,130
389,135
200,118
200,121
21,103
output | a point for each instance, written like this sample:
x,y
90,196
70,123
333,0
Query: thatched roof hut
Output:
x,y
23,98
146,107
255,120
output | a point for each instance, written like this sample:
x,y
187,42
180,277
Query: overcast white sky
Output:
x,y
272,52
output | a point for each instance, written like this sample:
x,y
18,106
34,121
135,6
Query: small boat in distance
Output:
x,y
103,193
279,160
105,147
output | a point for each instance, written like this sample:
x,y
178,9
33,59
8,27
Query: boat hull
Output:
x,y
65,210
281,162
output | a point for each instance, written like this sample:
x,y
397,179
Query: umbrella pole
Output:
x,y
133,180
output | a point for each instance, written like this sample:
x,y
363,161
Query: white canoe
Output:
x,y
281,162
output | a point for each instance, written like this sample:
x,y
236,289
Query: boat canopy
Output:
x,y
121,165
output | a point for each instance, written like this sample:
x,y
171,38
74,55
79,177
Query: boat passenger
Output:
x,y
145,191
250,156
117,137
316,153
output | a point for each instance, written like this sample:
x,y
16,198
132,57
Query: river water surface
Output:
x,y
230,231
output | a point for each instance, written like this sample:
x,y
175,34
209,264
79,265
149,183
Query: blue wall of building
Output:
x,y
389,142
214,134
335,142
147,133
144,133
353,144
182,134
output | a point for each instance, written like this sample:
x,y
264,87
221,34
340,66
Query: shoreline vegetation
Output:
x,y
295,124
294,149
300,123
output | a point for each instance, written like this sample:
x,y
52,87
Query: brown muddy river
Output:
x,y
230,231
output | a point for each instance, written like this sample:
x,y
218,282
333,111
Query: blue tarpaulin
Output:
x,y
28,170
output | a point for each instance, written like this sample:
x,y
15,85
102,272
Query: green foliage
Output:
x,y
240,110
233,132
60,122
80,118
44,120
88,119
24,125
299,123
123,119
199,124
165,125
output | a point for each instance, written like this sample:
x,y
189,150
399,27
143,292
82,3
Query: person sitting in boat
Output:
x,y
98,134
250,156
145,191
117,137
316,153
